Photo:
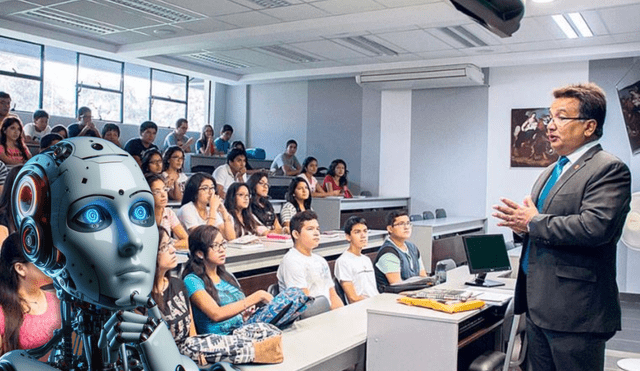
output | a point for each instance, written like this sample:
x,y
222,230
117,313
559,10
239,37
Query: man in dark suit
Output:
x,y
571,224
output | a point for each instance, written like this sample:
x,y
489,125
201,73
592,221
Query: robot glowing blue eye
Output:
x,y
91,218
141,214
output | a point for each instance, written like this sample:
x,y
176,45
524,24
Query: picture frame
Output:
x,y
530,146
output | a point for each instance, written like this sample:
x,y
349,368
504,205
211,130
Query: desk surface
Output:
x,y
449,221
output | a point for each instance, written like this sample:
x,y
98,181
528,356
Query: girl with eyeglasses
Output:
x,y
219,305
237,201
263,212
165,217
258,342
172,163
202,206
298,199
151,161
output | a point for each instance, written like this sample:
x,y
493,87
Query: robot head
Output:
x,y
85,215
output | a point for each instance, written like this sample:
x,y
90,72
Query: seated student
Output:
x,y
298,199
309,169
261,208
239,145
135,146
37,129
13,150
165,216
397,259
335,183
178,137
237,201
172,166
353,270
111,132
233,171
307,271
84,127
286,163
28,315
49,140
152,161
257,342
205,145
219,304
201,205
222,142
60,130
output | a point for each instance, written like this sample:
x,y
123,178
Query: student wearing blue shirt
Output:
x,y
222,142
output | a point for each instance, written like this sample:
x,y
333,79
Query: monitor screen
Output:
x,y
486,253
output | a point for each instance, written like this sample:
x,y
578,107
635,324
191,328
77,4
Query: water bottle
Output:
x,y
441,273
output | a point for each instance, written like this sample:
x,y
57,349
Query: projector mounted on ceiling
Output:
x,y
502,17
423,78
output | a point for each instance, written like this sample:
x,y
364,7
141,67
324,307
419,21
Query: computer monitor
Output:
x,y
486,253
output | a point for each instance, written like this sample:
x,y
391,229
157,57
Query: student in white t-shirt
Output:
x,y
307,271
34,131
353,270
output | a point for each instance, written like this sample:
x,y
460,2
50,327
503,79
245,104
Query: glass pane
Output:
x,y
24,93
99,72
104,105
169,85
20,57
198,99
59,82
165,114
136,94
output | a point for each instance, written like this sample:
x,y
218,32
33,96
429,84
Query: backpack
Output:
x,y
284,309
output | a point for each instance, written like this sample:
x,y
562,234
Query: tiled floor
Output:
x,y
626,343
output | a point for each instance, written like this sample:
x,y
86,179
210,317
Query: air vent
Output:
x,y
289,54
271,3
423,78
147,7
462,36
212,59
66,19
369,45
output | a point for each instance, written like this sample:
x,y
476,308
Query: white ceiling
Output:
x,y
242,34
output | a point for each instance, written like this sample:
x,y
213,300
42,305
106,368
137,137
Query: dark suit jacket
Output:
x,y
571,285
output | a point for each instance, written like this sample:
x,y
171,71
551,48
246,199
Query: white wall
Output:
x,y
236,114
370,159
395,143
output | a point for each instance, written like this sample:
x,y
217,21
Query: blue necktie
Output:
x,y
555,174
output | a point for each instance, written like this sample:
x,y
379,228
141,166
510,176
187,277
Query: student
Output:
x,y
238,202
201,205
397,259
222,142
307,271
219,304
5,106
49,140
205,145
261,208
233,171
335,183
28,315
353,270
84,127
135,146
152,161
37,129
172,164
111,132
13,150
298,199
309,169
257,342
178,137
239,145
165,217
60,130
286,163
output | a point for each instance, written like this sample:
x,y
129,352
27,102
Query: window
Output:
x,y
21,73
59,82
197,104
168,97
136,93
100,85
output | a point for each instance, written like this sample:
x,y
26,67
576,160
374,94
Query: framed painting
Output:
x,y
529,144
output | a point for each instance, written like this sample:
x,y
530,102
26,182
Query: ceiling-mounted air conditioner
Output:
x,y
423,78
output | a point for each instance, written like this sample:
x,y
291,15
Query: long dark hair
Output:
x,y
200,239
147,156
332,171
167,156
3,136
260,206
203,135
12,304
291,197
247,223
6,211
191,188
306,163
158,297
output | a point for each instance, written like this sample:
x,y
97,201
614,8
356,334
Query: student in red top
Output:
x,y
335,183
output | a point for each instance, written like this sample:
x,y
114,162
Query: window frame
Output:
x,y
153,97
80,86
27,76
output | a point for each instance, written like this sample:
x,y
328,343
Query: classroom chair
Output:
x,y
440,213
427,215
415,217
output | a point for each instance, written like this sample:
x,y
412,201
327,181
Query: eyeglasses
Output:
x,y
242,195
561,120
219,246
403,224
160,191
264,184
206,189
165,246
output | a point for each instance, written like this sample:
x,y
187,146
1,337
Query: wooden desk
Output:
x,y
334,211
426,231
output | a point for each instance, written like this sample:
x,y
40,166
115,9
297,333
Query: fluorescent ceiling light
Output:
x,y
564,26
580,24
216,60
289,54
543,1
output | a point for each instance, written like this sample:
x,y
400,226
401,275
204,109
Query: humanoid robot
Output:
x,y
85,215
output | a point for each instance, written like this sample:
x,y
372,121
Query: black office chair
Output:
x,y
415,217
321,172
273,289
366,194
427,215
440,213
203,169
340,291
